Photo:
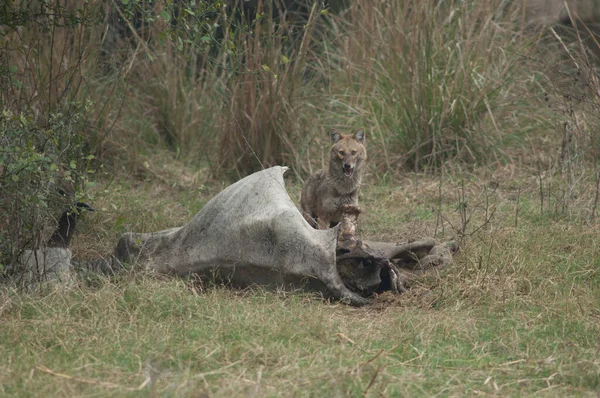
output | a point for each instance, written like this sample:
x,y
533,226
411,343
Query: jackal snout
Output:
x,y
347,151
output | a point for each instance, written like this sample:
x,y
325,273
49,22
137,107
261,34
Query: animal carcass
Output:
x,y
252,233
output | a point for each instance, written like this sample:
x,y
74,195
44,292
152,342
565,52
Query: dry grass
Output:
x,y
515,314
427,75
164,338
431,83
262,126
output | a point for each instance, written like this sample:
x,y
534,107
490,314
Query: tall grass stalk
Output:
x,y
263,109
428,73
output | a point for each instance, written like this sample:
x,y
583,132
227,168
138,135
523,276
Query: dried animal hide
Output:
x,y
250,233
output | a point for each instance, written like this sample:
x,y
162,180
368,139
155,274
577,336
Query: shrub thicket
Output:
x,y
49,121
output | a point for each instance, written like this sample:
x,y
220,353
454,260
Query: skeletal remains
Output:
x,y
252,233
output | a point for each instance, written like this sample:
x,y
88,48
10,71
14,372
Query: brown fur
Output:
x,y
327,191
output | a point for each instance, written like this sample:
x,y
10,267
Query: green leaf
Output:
x,y
119,222
165,15
125,2
179,44
73,164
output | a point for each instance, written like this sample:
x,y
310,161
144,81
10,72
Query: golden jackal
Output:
x,y
327,191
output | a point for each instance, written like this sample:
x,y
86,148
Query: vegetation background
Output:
x,y
481,125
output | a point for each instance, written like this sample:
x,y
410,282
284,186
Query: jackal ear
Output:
x,y
360,135
335,136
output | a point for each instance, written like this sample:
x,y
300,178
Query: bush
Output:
x,y
43,171
220,82
49,124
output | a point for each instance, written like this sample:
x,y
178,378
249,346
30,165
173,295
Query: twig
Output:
x,y
512,362
371,382
373,358
438,219
344,337
50,66
564,47
541,182
517,208
304,43
216,371
86,380
132,29
596,195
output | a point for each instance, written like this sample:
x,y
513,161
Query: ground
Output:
x,y
515,314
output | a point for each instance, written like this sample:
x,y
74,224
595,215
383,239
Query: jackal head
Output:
x,y
348,151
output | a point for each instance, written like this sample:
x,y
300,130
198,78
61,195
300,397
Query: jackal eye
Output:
x,y
354,152
342,153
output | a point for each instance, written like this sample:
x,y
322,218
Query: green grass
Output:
x,y
238,343
515,314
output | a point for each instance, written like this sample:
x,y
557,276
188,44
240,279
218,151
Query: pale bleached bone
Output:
x,y
250,233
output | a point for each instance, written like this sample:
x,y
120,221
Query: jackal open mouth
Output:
x,y
348,171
